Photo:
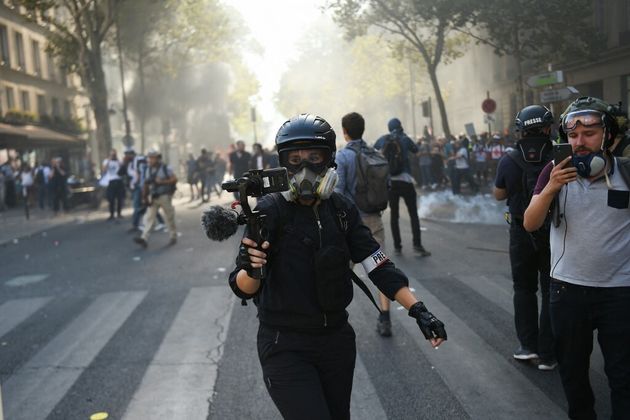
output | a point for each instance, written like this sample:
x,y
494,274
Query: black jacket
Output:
x,y
288,297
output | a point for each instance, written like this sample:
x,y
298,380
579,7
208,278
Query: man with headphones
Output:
x,y
306,346
589,196
517,173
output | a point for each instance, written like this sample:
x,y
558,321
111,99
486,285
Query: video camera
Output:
x,y
256,183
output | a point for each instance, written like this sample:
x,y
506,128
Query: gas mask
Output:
x,y
308,184
590,164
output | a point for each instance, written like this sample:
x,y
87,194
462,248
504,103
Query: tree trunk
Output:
x,y
440,101
143,98
93,79
519,69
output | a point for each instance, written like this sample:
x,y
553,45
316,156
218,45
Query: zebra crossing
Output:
x,y
474,368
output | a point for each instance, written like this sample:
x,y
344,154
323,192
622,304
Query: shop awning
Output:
x,y
32,136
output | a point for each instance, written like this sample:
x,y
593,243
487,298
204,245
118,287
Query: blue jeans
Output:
x,y
139,210
575,312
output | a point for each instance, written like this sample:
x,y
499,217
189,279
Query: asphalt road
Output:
x,y
89,323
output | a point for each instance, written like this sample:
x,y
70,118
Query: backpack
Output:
x,y
171,187
530,173
39,177
393,152
372,175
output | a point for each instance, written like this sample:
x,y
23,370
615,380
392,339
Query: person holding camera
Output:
x,y
306,346
158,190
589,197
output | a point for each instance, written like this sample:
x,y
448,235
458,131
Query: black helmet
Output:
x,y
532,120
588,103
306,131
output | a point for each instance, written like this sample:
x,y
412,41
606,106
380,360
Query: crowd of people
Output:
x,y
44,185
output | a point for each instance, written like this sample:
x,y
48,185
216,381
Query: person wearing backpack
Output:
x,y
306,346
363,178
396,147
588,194
517,173
158,189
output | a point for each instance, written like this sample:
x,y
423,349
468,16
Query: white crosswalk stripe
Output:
x,y
180,378
13,312
35,389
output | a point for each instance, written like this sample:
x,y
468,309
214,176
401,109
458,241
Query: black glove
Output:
x,y
430,326
243,260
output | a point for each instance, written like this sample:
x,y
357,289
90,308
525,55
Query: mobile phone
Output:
x,y
562,151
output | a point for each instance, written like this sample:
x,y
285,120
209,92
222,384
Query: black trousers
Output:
x,y
575,312
308,376
530,259
115,196
407,191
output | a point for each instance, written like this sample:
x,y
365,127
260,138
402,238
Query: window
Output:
x,y
63,76
5,59
55,107
37,62
67,113
25,97
10,98
51,68
19,47
41,105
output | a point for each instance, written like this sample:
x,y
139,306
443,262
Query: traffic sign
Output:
x,y
488,106
557,95
488,118
545,79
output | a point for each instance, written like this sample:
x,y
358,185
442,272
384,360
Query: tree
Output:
x,y
536,32
426,26
78,29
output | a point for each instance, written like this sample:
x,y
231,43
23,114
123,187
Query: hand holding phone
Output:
x,y
562,151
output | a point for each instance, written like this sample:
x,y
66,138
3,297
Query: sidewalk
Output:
x,y
14,226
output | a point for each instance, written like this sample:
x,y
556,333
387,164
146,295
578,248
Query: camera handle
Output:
x,y
255,227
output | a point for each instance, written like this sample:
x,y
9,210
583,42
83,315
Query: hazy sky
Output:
x,y
276,25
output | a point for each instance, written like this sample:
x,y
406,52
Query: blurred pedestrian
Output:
x,y
259,159
26,182
462,167
239,162
42,177
9,183
424,161
59,185
220,167
192,176
204,168
159,187
115,187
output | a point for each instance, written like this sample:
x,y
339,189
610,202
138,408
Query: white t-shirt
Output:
x,y
111,169
462,159
26,178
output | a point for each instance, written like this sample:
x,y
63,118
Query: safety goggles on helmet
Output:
x,y
586,117
316,160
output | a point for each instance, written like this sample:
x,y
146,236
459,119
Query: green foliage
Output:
x,y
540,31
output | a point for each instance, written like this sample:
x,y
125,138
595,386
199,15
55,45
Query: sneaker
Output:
x,y
524,354
423,252
384,327
159,227
141,241
547,365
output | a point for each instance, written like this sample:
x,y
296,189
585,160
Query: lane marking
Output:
x,y
26,280
179,381
14,312
41,383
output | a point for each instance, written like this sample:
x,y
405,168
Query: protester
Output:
x,y
239,162
59,185
205,167
353,126
590,262
517,174
115,187
462,167
306,346
402,185
192,176
42,177
259,159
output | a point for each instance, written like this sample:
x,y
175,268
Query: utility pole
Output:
x,y
253,116
127,140
412,93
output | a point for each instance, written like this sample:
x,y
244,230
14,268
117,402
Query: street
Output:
x,y
90,322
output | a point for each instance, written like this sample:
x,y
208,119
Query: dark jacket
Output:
x,y
287,297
